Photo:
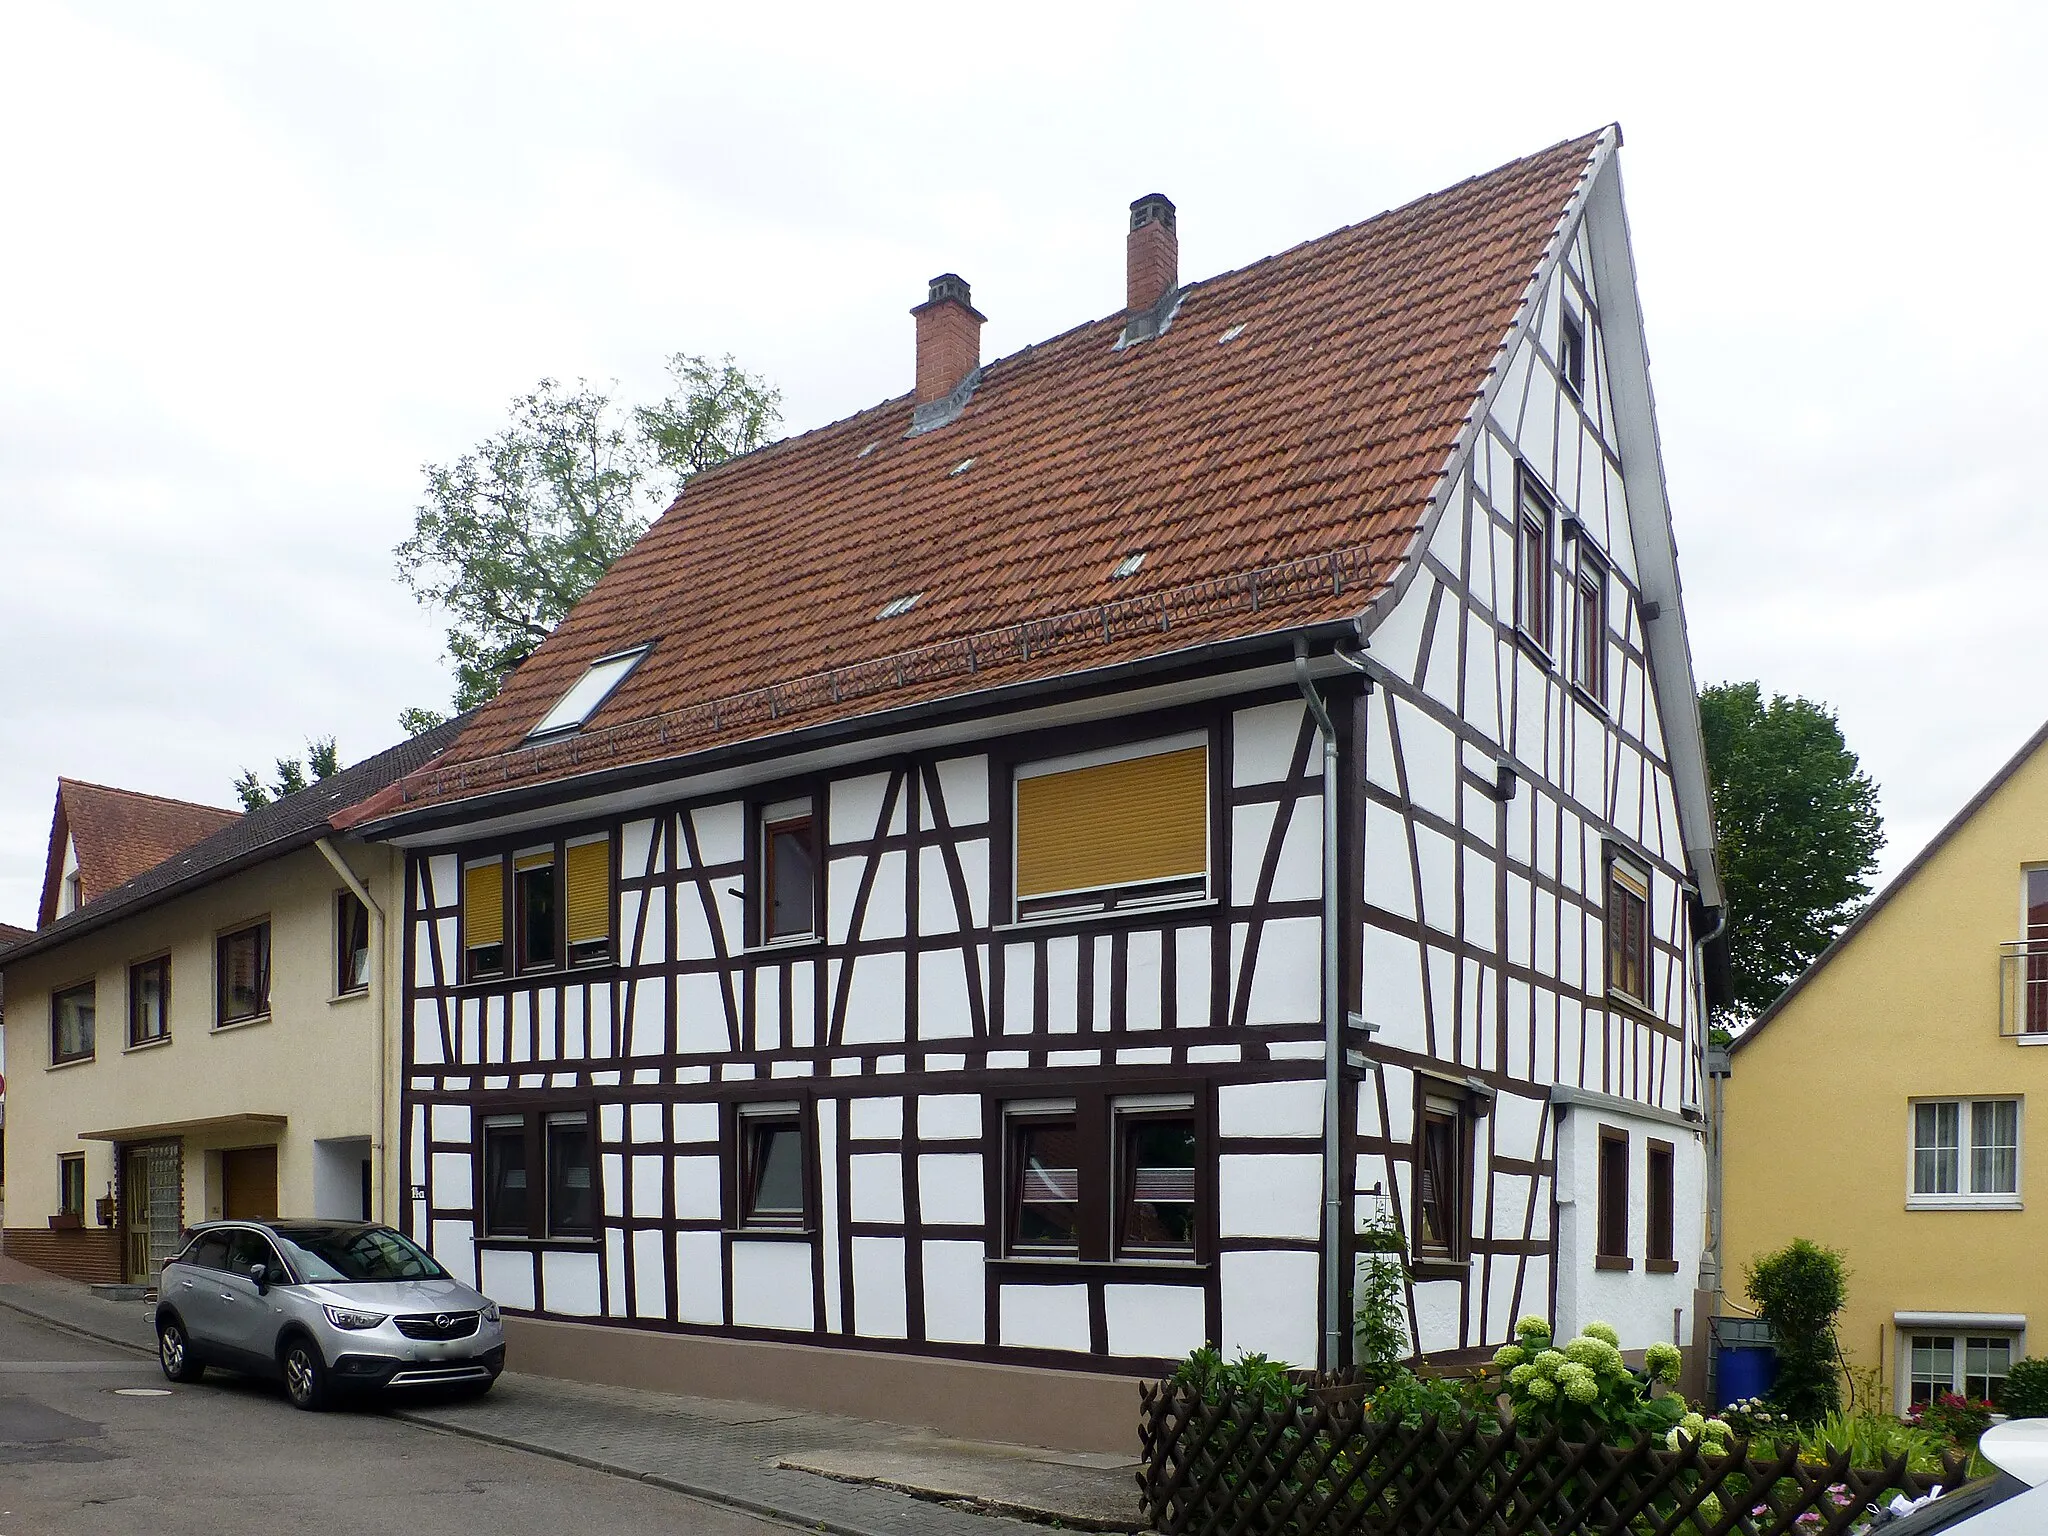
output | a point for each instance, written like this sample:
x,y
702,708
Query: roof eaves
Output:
x,y
1898,883
441,814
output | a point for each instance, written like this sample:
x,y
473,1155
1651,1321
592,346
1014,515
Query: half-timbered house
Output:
x,y
1013,879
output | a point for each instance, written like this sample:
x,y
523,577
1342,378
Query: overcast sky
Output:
x,y
262,262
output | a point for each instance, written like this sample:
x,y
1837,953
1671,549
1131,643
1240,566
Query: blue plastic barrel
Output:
x,y
1744,1370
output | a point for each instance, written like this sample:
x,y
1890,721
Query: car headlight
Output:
x,y
490,1311
342,1317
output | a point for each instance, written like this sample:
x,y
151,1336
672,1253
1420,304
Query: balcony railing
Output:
x,y
2023,989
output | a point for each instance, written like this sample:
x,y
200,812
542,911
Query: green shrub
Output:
x,y
1799,1290
2026,1390
1264,1381
1379,1322
1585,1388
1872,1439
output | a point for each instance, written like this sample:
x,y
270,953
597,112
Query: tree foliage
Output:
x,y
1799,833
512,534
1799,1291
322,761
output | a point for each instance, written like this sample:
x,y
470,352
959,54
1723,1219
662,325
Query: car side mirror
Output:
x,y
260,1273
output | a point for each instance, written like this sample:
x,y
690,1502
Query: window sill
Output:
x,y
1038,1266
234,1024
1965,1203
70,1061
510,1240
772,1234
1130,912
798,943
1621,1002
1534,649
1590,699
1439,1268
1613,1261
353,995
597,970
2034,1037
145,1045
1661,1266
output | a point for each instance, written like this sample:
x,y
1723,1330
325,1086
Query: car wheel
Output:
x,y
305,1375
174,1352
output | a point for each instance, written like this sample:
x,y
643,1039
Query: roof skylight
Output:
x,y
1128,566
896,607
588,692
961,468
1230,335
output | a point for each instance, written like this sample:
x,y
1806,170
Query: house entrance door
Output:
x,y
152,1209
248,1180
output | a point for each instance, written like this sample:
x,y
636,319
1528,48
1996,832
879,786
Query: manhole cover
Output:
x,y
142,1391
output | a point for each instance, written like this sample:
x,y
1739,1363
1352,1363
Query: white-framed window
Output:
x,y
1965,1152
1971,1363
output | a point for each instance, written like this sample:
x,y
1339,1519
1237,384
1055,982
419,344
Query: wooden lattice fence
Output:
x,y
1323,1465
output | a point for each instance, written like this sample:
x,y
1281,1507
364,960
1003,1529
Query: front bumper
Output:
x,y
370,1371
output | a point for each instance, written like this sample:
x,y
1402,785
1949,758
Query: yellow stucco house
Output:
x,y
213,1037
1882,1106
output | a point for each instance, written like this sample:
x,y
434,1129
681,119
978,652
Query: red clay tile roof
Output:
x,y
9,934
1305,449
119,833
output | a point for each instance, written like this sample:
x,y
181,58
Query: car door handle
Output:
x,y
227,1295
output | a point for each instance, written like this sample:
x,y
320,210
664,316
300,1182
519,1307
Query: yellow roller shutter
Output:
x,y
1145,818
590,892
483,904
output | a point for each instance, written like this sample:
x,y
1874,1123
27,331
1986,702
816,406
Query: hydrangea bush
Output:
x,y
1587,1389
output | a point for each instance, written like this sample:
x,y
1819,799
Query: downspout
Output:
x,y
1710,1264
1333,1025
361,893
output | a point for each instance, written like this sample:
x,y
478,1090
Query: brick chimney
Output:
x,y
1152,254
948,337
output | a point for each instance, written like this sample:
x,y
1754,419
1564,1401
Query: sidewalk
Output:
x,y
831,1474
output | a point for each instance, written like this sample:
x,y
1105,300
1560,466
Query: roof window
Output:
x,y
588,692
1128,566
896,607
1230,335
961,468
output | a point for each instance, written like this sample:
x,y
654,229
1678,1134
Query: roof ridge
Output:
x,y
143,794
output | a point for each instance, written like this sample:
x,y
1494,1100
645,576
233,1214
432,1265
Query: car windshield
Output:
x,y
340,1255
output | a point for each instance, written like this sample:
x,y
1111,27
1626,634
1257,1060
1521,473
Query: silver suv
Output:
x,y
326,1306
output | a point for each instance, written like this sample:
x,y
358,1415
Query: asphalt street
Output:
x,y
93,1441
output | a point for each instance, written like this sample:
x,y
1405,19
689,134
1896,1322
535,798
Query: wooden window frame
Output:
x,y
748,1120
260,931
522,964
1622,867
1589,637
1610,1215
1098,1111
58,1057
1571,352
513,965
765,818
136,970
533,1118
347,903
1535,545
1432,1260
1143,895
66,1163
1126,1111
1660,1240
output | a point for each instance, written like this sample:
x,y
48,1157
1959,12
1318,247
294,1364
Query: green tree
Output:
x,y
1799,1291
512,534
322,761
1799,833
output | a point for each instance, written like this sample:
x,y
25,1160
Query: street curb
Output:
x,y
708,1494
76,1330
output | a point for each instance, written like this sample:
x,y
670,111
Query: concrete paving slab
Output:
x,y
989,1478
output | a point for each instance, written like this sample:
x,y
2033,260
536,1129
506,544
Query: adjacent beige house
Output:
x,y
212,1038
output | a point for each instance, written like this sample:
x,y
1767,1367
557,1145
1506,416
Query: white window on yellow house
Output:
x,y
1964,1152
1113,829
589,904
483,919
1973,1364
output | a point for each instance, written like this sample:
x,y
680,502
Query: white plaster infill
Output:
x,y
1563,1095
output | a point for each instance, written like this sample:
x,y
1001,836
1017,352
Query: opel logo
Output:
x,y
443,1320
